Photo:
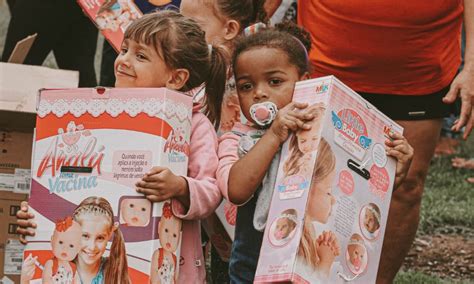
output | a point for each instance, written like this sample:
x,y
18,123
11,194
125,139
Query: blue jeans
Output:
x,y
246,245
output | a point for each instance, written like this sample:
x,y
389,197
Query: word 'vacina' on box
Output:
x,y
91,147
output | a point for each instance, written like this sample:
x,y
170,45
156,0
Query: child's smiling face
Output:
x,y
264,74
140,66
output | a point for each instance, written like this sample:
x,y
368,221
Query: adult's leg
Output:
x,y
77,45
107,76
30,17
404,212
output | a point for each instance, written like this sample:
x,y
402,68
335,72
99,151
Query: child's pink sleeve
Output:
x,y
227,153
204,193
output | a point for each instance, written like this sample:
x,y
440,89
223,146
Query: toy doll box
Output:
x,y
111,17
91,147
330,204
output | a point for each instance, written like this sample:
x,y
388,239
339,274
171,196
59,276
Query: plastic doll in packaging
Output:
x,y
66,243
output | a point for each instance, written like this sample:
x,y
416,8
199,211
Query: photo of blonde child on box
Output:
x,y
317,252
164,264
283,228
369,221
356,255
94,217
66,244
135,211
304,144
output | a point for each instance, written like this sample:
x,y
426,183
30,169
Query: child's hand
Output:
x,y
399,148
328,238
289,118
160,184
28,269
26,227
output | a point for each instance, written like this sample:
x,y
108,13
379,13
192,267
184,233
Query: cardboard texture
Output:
x,y
19,84
15,150
21,49
99,143
329,227
9,205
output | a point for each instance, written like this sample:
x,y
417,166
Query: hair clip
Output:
x,y
253,29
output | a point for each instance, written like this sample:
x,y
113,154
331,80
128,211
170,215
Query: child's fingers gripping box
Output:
x,y
329,209
91,147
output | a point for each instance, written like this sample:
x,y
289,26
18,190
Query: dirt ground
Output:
x,y
442,255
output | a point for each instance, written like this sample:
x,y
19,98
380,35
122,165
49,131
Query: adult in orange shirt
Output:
x,y
403,57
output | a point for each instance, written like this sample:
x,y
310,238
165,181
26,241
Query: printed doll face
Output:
x,y
283,228
169,231
308,140
321,199
205,16
356,255
67,244
274,79
96,232
140,66
135,212
370,222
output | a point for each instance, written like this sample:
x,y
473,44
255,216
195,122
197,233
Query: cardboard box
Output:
x,y
15,150
99,143
9,205
19,84
329,209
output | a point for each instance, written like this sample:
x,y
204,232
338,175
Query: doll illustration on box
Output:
x,y
284,227
66,244
370,221
304,143
164,262
356,254
135,211
115,14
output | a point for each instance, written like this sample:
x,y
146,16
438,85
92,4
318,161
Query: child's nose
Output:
x,y
260,94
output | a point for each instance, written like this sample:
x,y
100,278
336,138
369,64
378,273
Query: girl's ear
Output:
x,y
232,30
178,79
305,76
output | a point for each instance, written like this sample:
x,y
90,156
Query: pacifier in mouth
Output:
x,y
263,113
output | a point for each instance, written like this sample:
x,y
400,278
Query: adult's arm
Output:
x,y
463,84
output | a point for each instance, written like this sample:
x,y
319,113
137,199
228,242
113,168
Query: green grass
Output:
x,y
413,277
448,199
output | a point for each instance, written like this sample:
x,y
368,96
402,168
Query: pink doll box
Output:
x,y
111,17
328,227
98,143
